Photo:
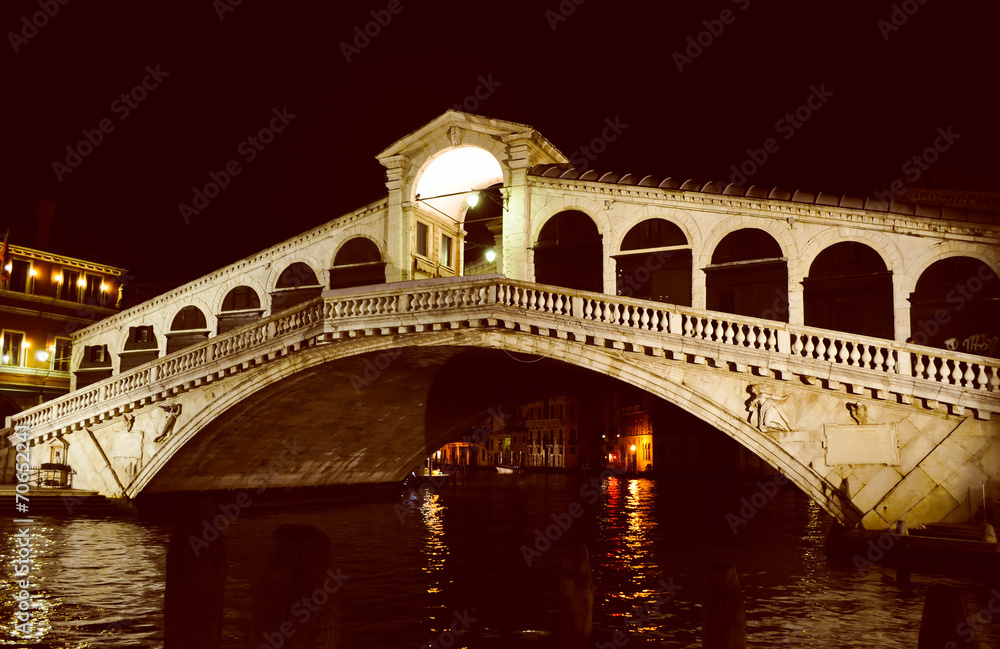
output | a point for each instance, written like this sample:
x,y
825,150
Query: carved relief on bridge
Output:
x,y
137,436
765,409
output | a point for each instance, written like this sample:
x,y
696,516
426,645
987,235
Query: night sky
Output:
x,y
224,69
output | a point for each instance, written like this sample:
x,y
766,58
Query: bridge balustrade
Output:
x,y
410,308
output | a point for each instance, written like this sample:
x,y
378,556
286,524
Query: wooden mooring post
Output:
x,y
576,595
725,623
196,580
296,607
944,618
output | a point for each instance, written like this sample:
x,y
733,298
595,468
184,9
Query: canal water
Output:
x,y
459,555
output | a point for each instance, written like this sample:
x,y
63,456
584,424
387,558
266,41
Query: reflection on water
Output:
x,y
417,562
92,582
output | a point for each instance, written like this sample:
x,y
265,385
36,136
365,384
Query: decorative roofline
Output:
x,y
63,260
235,268
785,209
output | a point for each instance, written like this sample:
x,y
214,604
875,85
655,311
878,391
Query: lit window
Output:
x,y
446,250
69,289
64,348
20,279
422,238
92,290
12,345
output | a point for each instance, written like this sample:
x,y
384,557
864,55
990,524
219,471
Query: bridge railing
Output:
x,y
421,300
836,347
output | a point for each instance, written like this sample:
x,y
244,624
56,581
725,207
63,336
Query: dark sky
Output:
x,y
891,92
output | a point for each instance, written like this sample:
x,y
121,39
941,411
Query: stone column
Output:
x,y
397,225
900,307
796,301
517,216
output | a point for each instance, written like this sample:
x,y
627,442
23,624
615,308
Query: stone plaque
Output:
x,y
128,445
874,444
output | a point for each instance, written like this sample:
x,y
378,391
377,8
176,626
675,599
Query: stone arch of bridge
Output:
x,y
250,281
442,146
600,360
986,254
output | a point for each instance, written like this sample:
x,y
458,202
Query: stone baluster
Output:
x,y
981,380
855,354
709,330
740,337
821,348
956,374
688,327
730,332
810,348
933,370
969,376
699,328
844,355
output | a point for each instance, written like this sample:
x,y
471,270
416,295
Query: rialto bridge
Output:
x,y
849,343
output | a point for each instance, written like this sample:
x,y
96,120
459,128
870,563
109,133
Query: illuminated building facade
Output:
x,y
45,299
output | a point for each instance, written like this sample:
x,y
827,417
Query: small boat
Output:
x,y
509,469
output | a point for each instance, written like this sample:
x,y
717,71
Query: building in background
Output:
x,y
44,300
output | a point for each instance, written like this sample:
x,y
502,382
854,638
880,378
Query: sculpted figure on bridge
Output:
x,y
764,411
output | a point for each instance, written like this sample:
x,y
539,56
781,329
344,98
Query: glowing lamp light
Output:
x,y
491,256
33,272
25,344
81,282
472,199
104,287
42,355
9,267
57,278
633,448
6,358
